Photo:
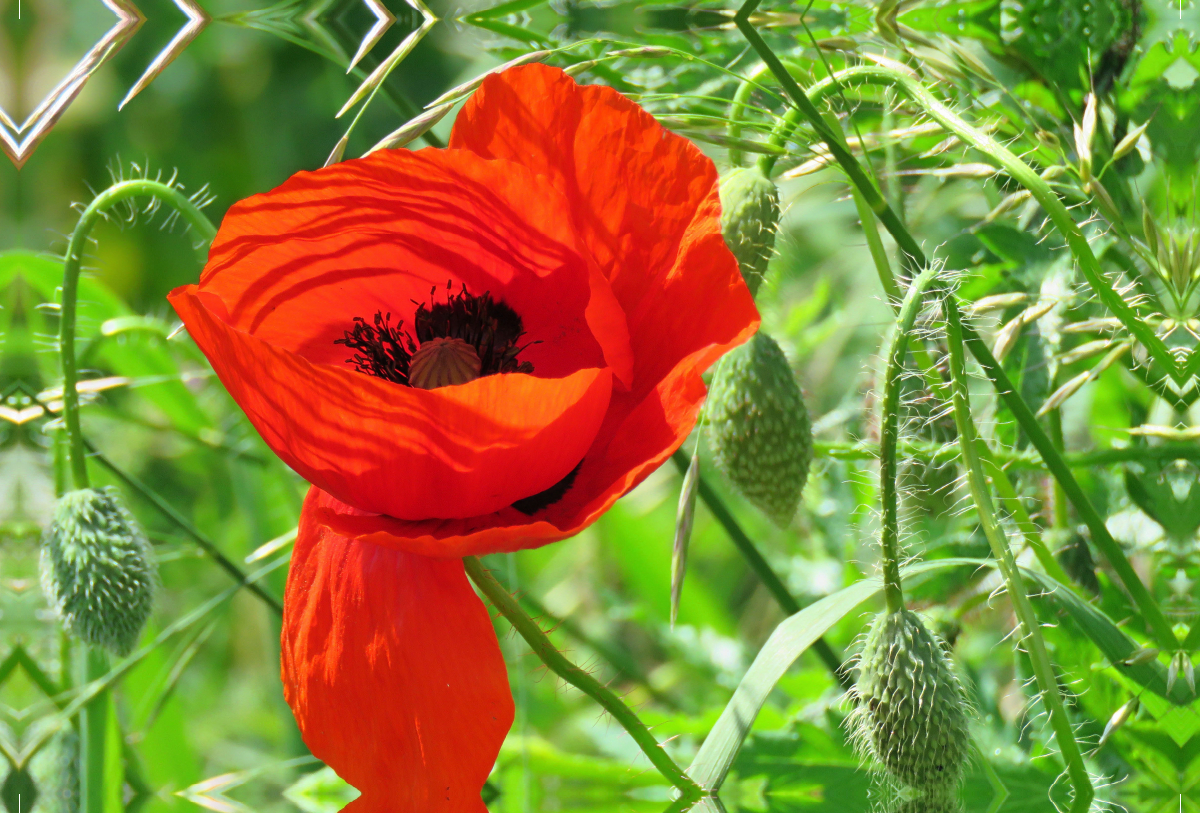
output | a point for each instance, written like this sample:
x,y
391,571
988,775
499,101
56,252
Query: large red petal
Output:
x,y
295,265
392,668
646,202
455,451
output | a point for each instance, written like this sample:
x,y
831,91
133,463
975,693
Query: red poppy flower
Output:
x,y
465,351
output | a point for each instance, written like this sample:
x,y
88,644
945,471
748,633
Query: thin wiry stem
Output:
x,y
541,645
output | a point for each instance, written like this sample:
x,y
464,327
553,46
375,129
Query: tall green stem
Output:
x,y
1030,632
889,537
541,645
912,251
97,209
93,720
93,734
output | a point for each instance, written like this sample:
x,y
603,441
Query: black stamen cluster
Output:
x,y
490,326
382,350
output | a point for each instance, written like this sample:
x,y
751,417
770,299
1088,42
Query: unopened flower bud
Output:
x,y
759,428
98,570
749,218
911,713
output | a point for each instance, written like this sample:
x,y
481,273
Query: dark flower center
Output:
x,y
456,341
459,340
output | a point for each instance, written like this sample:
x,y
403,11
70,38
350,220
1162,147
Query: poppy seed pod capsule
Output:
x,y
911,712
749,218
759,429
97,569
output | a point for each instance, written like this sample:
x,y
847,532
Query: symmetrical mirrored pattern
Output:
x,y
1025,466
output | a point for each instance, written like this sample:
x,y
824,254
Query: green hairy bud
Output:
x,y
97,570
749,218
936,802
911,713
759,429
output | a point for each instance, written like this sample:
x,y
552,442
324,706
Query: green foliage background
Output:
x,y
253,100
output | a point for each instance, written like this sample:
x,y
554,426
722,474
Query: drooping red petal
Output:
x,y
452,452
393,671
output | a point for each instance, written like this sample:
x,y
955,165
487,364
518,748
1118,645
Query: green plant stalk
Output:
x,y
889,537
93,718
761,567
1020,517
541,645
894,74
912,250
93,735
1101,538
1038,656
737,113
738,107
95,210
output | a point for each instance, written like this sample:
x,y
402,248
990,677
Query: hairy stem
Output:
x,y
913,253
541,645
889,537
1027,619
97,209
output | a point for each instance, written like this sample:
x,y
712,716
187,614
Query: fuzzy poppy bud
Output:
x,y
911,712
749,218
759,428
927,803
97,569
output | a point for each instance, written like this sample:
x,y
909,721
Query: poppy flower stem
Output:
x,y
541,645
889,537
762,568
187,208
1028,625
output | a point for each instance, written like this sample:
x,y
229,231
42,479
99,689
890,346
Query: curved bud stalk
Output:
x,y
99,573
910,712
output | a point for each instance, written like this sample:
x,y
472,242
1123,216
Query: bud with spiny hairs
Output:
x,y
749,218
911,711
98,570
936,802
759,429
